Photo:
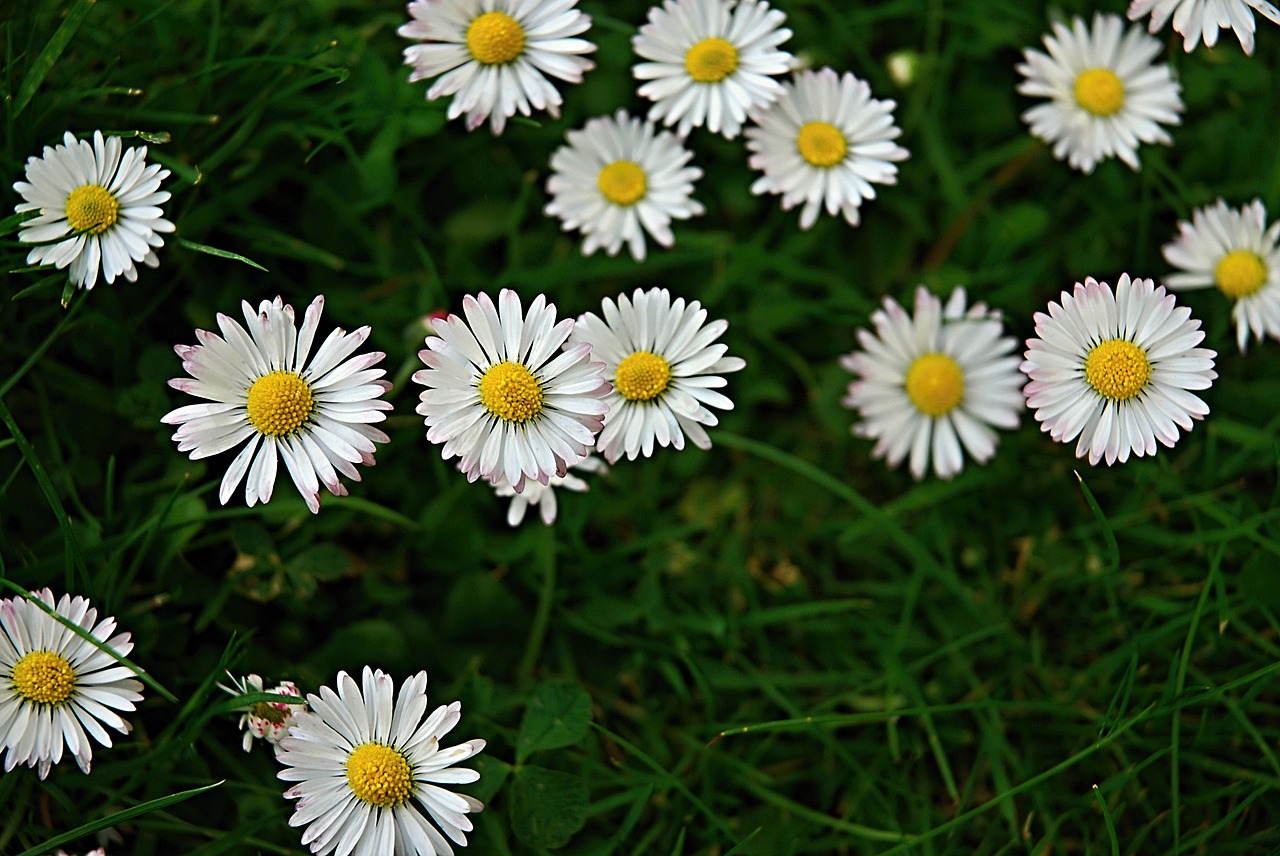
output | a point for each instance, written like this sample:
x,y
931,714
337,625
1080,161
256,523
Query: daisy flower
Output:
x,y
824,142
665,365
1105,94
56,688
99,209
618,178
544,495
361,764
501,395
314,415
933,384
711,62
1193,17
1233,250
495,55
1116,369
266,720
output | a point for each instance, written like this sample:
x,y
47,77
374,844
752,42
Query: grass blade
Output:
x,y
52,51
222,254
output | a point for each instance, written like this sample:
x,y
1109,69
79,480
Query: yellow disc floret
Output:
x,y
1240,273
1117,369
821,144
510,392
280,403
43,677
711,60
495,38
1099,91
623,183
642,376
379,775
935,384
92,209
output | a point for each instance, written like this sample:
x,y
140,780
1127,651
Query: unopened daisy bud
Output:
x,y
266,720
903,66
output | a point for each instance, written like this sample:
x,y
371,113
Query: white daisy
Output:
x,y
933,384
618,178
495,55
314,415
1193,17
1106,95
361,763
265,720
544,495
502,395
665,365
1115,369
711,62
99,209
823,143
56,688
1234,250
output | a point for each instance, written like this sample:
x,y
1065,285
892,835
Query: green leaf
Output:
x,y
546,807
321,562
52,50
222,254
1257,582
557,715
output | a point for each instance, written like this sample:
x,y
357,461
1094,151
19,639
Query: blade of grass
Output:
x,y
1106,819
53,49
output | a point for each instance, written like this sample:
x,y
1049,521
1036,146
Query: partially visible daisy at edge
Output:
x,y
1192,18
495,55
543,496
1117,369
825,142
710,62
266,390
367,765
57,689
265,720
1233,250
99,209
932,385
666,367
619,177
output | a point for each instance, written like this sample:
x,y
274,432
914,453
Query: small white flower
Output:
x,y
100,208
1106,95
314,415
933,384
361,764
1233,250
495,55
1193,17
824,143
618,178
711,62
665,365
56,688
265,720
544,495
99,852
501,395
1116,369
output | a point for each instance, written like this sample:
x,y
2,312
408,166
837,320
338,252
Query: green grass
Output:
x,y
782,646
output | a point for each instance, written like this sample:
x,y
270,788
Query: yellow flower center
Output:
x,y
935,384
1117,369
43,677
280,403
1240,273
91,209
495,38
623,183
711,60
1099,91
510,392
821,144
379,775
642,376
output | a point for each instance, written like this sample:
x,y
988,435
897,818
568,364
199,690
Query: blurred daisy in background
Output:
x,y
495,55
1105,94
99,209
665,364
265,720
57,689
314,415
824,143
618,178
1117,369
933,384
503,396
363,758
1233,250
1192,18
544,495
710,62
